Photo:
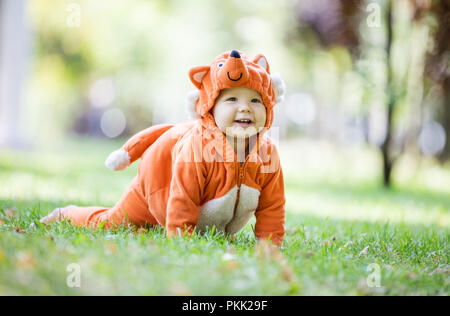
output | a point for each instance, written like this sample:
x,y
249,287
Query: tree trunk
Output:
x,y
386,148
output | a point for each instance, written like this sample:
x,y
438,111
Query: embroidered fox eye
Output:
x,y
220,64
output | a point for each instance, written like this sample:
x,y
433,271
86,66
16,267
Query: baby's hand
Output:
x,y
57,215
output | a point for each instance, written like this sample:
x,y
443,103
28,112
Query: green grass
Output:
x,y
333,198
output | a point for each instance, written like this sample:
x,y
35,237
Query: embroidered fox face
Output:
x,y
231,70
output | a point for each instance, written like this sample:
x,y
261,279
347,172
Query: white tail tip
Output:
x,y
117,160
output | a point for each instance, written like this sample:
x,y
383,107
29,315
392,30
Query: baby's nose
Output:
x,y
244,106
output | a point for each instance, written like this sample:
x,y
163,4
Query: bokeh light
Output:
x,y
432,139
102,93
300,108
113,122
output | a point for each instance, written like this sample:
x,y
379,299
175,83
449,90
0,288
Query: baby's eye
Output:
x,y
256,100
232,99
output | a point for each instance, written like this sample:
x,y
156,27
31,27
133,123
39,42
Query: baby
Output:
x,y
214,171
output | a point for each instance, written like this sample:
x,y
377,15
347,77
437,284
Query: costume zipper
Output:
x,y
240,177
240,171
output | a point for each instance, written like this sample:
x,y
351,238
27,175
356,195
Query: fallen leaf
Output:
x,y
230,258
179,289
364,252
1,222
288,275
441,271
111,248
141,230
25,260
326,242
232,265
268,251
11,212
19,230
230,249
347,244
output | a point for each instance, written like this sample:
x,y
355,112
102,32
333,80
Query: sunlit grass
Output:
x,y
335,209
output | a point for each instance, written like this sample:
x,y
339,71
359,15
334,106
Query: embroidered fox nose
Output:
x,y
235,54
235,69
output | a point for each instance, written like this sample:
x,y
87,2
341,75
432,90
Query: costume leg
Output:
x,y
132,209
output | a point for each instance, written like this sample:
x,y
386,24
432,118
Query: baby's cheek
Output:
x,y
223,118
222,125
262,118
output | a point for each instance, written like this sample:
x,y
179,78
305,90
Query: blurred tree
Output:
x,y
339,23
434,17
438,59
334,22
386,148
12,68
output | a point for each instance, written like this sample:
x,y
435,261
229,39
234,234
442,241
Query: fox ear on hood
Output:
x,y
196,75
261,60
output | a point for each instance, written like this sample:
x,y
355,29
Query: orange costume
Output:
x,y
190,176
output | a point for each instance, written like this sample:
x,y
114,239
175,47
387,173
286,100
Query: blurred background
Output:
x,y
368,81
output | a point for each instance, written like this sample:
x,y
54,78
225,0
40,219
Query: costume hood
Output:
x,y
229,70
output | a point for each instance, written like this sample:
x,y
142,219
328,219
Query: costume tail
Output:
x,y
133,149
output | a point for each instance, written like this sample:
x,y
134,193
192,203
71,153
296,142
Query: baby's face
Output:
x,y
239,112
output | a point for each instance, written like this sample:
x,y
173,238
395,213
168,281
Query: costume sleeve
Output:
x,y
186,190
270,214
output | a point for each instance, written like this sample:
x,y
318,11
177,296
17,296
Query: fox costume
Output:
x,y
190,176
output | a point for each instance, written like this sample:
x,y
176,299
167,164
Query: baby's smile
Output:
x,y
244,122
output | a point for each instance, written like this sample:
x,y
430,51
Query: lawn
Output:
x,y
345,234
